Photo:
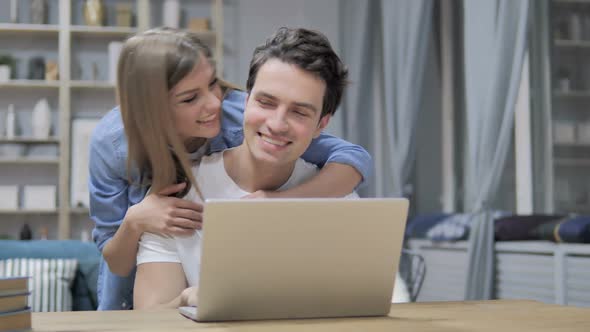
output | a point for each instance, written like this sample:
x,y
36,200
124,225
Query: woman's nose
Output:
x,y
213,102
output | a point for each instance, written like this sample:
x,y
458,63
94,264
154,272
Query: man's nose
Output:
x,y
277,123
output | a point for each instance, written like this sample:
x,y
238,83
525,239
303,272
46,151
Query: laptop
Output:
x,y
298,258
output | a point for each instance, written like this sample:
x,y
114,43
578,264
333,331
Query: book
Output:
x,y
16,320
14,285
15,302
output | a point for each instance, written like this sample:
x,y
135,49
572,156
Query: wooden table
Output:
x,y
493,316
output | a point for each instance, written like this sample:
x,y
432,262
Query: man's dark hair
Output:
x,y
310,51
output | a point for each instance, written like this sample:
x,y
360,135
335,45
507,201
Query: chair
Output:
x,y
413,271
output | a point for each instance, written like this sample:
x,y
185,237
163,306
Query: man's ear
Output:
x,y
321,125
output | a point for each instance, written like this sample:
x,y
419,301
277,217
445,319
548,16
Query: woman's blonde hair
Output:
x,y
150,65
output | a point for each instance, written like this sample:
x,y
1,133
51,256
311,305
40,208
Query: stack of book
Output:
x,y
15,313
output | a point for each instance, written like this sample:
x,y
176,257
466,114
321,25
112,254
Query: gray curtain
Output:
x,y
494,46
540,48
385,44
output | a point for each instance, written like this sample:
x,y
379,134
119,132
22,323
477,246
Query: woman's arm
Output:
x,y
118,227
327,149
156,213
344,165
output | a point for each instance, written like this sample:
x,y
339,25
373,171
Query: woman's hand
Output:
x,y
188,297
159,213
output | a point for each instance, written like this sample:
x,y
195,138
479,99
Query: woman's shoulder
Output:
x,y
233,105
109,126
109,134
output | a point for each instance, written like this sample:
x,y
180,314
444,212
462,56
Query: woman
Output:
x,y
171,106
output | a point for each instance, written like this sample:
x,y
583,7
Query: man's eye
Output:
x,y
300,113
265,103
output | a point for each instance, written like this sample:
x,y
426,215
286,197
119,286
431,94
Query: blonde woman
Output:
x,y
173,110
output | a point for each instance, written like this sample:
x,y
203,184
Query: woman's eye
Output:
x,y
213,83
188,100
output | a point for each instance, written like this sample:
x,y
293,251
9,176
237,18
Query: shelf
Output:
x,y
30,161
29,29
78,94
572,43
37,84
573,162
571,94
206,36
79,210
28,212
105,85
572,2
571,145
30,140
568,207
89,31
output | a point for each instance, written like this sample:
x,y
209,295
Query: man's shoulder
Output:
x,y
302,172
305,167
211,160
207,171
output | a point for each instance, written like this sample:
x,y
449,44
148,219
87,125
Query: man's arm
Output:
x,y
159,285
160,278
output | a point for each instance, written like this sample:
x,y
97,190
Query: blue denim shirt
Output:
x,y
111,194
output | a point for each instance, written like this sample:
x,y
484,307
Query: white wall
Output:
x,y
249,23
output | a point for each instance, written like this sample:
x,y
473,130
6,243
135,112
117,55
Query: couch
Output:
x,y
86,254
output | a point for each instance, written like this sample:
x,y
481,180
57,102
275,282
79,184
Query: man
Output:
x,y
295,85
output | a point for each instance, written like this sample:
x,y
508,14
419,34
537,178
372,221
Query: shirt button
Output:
x,y
124,305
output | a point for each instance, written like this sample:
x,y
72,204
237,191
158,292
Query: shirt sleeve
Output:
x,y
107,185
352,195
155,248
330,149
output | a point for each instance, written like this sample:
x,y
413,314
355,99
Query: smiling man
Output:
x,y
295,85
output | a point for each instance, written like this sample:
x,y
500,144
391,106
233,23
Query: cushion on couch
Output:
x,y
50,283
85,253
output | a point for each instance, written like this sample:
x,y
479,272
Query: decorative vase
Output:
x,y
13,11
36,68
38,12
115,48
94,12
41,119
4,73
10,122
171,17
124,15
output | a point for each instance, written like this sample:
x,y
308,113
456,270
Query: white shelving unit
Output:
x,y
537,270
569,47
72,90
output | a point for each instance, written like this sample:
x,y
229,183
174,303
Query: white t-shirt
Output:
x,y
214,182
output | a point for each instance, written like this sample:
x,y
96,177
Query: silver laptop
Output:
x,y
298,258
